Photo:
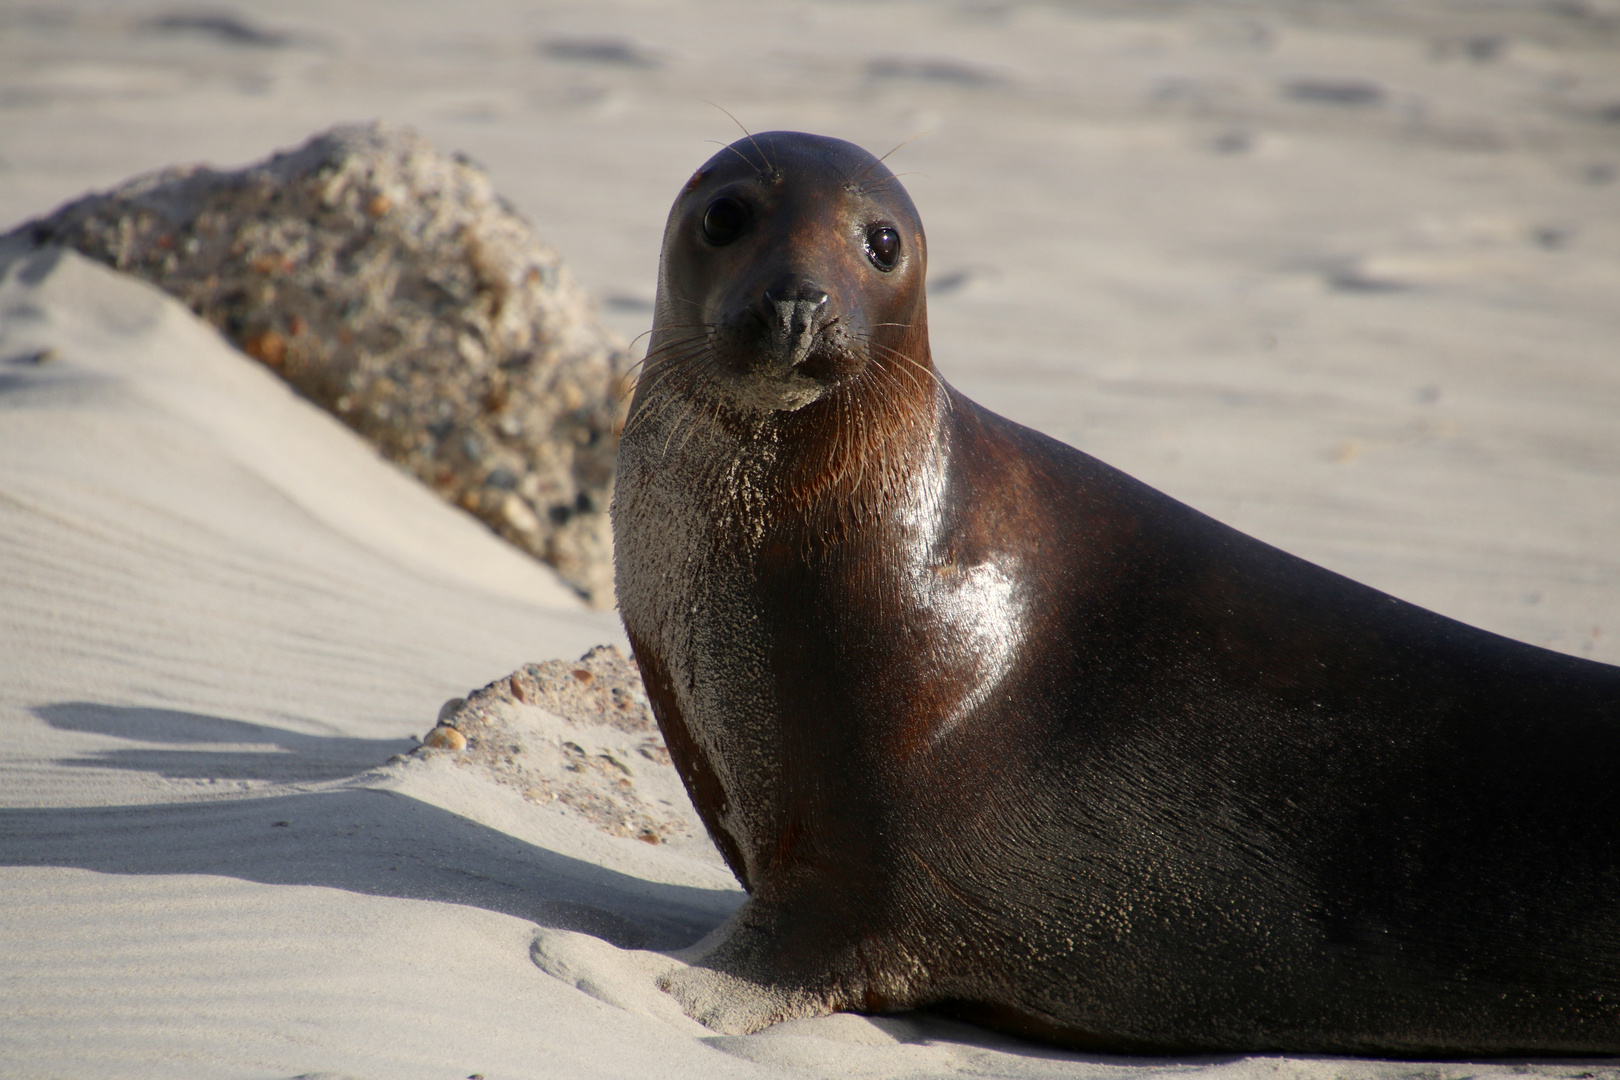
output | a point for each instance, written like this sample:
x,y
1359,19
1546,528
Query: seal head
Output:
x,y
788,263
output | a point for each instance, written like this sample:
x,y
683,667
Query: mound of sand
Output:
x,y
576,733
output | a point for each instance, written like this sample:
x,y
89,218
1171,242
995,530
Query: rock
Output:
x,y
392,286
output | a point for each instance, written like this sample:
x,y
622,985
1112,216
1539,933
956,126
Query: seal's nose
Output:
x,y
795,313
797,309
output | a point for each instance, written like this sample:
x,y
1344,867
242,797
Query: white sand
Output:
x,y
1385,337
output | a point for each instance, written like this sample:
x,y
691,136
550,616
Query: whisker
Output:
x,y
913,363
864,438
660,393
670,400
689,337
669,367
906,142
891,379
663,351
664,450
762,155
847,431
693,427
864,173
746,160
874,185
682,299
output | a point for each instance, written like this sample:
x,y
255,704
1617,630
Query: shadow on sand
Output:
x,y
379,843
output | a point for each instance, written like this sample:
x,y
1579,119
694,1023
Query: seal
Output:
x,y
985,725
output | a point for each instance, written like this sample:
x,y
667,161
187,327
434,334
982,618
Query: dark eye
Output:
x,y
883,247
724,221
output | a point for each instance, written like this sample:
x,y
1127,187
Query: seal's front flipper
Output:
x,y
768,964
733,1005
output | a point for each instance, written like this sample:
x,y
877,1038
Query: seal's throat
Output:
x,y
849,461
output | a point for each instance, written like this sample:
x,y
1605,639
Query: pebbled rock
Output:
x,y
392,286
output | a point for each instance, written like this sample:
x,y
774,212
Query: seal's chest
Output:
x,y
686,583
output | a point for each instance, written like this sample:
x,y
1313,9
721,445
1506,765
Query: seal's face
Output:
x,y
791,263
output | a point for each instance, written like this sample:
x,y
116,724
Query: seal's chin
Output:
x,y
760,391
785,376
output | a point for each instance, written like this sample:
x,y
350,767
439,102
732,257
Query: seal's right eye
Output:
x,y
724,221
883,247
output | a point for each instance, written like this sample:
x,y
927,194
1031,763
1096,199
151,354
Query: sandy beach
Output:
x,y
1342,275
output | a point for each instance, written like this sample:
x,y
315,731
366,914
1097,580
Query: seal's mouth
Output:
x,y
814,352
782,383
782,358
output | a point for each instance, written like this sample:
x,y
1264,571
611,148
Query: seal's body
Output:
x,y
983,723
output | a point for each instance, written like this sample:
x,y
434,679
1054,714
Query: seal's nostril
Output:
x,y
802,293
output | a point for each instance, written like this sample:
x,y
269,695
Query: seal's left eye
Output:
x,y
724,221
883,247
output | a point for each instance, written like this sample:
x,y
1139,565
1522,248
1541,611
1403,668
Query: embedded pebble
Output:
x,y
445,738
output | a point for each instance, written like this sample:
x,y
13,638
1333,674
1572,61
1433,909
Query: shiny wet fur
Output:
x,y
983,723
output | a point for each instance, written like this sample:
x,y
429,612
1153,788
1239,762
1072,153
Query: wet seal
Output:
x,y
984,724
